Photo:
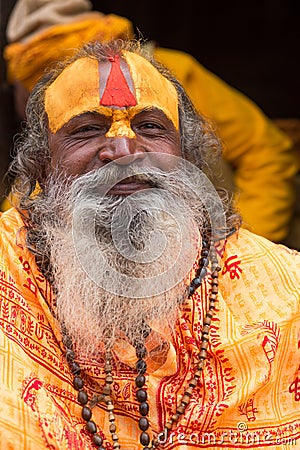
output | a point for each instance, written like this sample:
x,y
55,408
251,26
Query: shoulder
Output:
x,y
253,246
259,281
261,252
256,268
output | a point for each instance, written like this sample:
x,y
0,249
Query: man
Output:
x,y
113,338
255,151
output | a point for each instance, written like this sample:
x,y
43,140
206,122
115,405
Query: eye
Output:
x,y
150,125
151,122
149,128
89,129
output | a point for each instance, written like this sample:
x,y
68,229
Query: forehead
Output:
x,y
88,85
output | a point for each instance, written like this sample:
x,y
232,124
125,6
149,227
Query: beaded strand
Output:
x,y
185,400
142,396
141,368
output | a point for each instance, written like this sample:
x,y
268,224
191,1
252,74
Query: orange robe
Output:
x,y
249,396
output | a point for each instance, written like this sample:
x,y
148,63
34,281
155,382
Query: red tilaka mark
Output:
x,y
117,91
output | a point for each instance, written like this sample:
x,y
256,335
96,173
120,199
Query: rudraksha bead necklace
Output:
x,y
141,369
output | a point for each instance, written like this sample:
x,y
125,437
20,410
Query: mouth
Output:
x,y
129,186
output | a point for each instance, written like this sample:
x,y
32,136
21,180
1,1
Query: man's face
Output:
x,y
82,144
87,132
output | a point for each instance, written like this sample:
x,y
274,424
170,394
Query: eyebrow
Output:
x,y
84,115
97,114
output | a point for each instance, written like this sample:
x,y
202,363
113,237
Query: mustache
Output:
x,y
114,261
101,180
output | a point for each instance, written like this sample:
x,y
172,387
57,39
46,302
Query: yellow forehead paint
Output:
x,y
75,91
152,89
120,125
83,86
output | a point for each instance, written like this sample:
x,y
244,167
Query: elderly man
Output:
x,y
135,312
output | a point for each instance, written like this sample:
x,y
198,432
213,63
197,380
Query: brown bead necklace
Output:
x,y
207,252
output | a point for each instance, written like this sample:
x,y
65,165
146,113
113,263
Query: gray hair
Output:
x,y
32,160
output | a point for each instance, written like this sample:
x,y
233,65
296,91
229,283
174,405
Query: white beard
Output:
x,y
102,298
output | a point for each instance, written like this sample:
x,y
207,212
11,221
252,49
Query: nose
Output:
x,y
121,150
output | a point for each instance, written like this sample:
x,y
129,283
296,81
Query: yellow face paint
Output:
x,y
152,89
120,126
77,90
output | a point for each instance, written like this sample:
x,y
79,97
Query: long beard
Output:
x,y
119,264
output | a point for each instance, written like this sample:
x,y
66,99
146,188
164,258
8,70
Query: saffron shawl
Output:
x,y
249,396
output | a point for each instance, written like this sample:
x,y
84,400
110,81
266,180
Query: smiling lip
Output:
x,y
128,186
